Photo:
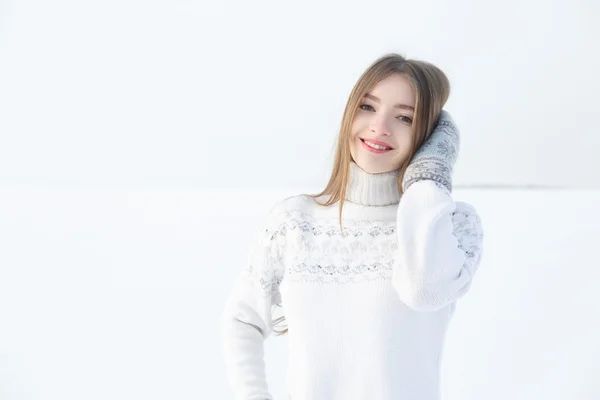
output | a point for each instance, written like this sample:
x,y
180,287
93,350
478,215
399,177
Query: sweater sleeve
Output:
x,y
439,248
246,321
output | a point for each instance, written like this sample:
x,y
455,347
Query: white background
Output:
x,y
142,143
241,94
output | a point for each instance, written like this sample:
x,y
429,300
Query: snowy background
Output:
x,y
142,144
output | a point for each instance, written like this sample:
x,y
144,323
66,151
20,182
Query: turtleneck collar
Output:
x,y
370,189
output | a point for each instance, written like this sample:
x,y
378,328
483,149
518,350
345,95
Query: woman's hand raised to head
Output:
x,y
435,159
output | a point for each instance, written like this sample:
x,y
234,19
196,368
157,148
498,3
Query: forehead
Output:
x,y
394,89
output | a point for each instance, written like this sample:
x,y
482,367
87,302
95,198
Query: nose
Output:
x,y
379,126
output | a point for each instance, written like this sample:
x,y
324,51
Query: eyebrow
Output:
x,y
399,105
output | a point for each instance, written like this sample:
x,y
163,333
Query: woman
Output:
x,y
368,301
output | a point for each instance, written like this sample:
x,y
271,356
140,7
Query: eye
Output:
x,y
408,120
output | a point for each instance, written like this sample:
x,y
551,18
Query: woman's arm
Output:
x,y
440,247
246,321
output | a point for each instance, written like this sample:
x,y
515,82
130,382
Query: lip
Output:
x,y
376,151
379,142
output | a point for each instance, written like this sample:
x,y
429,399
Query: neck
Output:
x,y
369,189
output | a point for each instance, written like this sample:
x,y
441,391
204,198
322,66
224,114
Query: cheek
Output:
x,y
404,136
360,123
406,140
404,143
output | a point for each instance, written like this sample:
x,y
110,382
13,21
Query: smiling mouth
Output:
x,y
388,148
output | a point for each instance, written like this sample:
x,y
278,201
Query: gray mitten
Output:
x,y
436,157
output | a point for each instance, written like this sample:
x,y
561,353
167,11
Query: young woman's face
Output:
x,y
385,116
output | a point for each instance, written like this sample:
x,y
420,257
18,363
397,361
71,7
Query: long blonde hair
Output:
x,y
432,89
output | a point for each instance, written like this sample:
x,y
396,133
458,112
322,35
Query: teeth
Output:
x,y
376,146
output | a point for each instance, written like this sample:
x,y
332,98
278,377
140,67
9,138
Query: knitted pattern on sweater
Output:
x,y
367,312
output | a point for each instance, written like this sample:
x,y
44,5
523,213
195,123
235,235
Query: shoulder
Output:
x,y
283,209
466,220
464,207
298,202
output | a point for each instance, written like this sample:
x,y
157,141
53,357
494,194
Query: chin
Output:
x,y
375,168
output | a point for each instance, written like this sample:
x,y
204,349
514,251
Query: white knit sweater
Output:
x,y
367,313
